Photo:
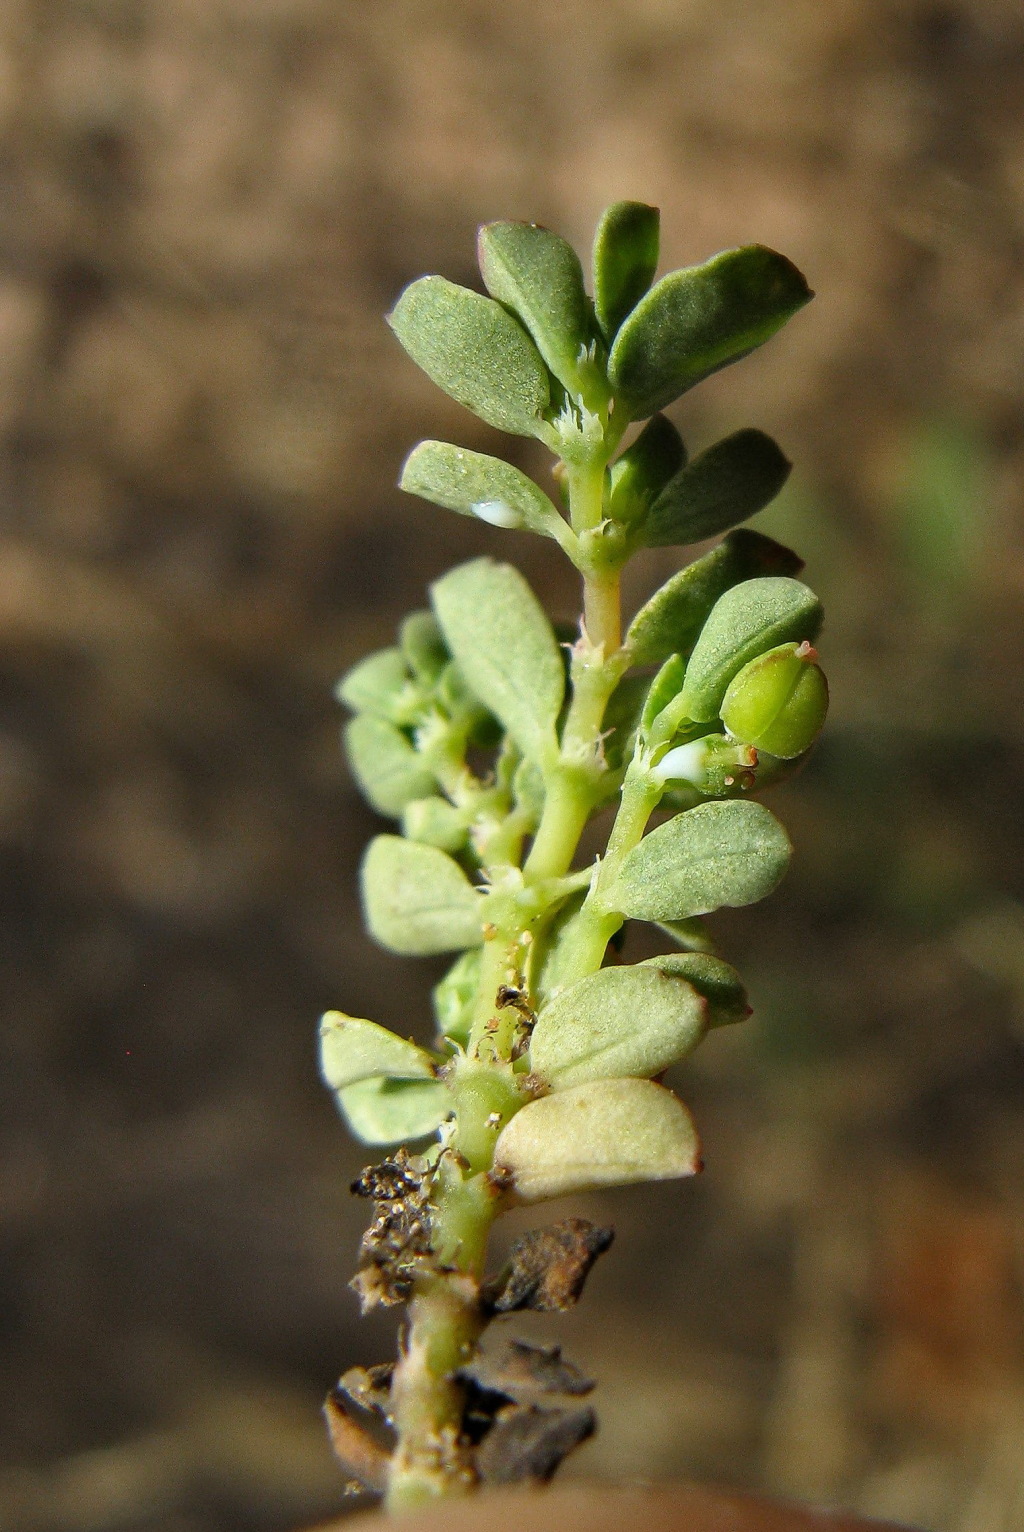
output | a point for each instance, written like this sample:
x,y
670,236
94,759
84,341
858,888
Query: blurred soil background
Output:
x,y
206,206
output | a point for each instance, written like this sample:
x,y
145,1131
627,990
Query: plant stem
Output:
x,y
446,1321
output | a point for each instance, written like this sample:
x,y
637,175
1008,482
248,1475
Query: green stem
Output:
x,y
446,1320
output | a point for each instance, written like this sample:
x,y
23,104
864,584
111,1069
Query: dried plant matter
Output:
x,y
493,752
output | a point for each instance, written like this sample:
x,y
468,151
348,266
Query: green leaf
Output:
x,y
379,684
671,620
423,646
698,320
384,763
746,621
383,1111
618,1021
605,1133
692,935
637,477
353,1049
417,900
434,821
477,485
476,351
455,996
625,260
538,276
506,649
665,687
732,480
717,982
717,854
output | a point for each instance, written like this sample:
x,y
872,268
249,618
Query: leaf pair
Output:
x,y
385,1086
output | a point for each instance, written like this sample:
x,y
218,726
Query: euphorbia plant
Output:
x,y
494,740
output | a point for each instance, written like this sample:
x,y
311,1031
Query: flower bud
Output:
x,y
778,701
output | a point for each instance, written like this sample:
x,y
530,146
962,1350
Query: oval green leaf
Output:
x,y
379,684
538,276
416,899
717,982
353,1049
476,351
384,1111
746,621
700,319
671,621
625,260
477,485
729,482
637,478
505,648
384,763
616,1022
605,1133
423,646
455,995
714,855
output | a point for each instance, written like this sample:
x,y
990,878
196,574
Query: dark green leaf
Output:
x,y
625,260
477,485
671,620
641,473
746,621
717,982
385,765
417,900
505,647
695,321
423,646
476,351
538,276
714,855
665,687
732,480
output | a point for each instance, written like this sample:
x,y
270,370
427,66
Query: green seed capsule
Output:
x,y
778,702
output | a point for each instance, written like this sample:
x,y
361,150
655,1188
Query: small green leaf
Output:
x,y
716,854
417,900
671,620
477,485
778,702
748,620
700,319
618,1021
383,1111
385,765
455,996
692,935
476,351
637,478
732,480
625,260
538,276
505,647
717,982
423,647
353,1049
665,687
434,821
379,684
605,1133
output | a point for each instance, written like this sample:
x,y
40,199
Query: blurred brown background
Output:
x,y
207,206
